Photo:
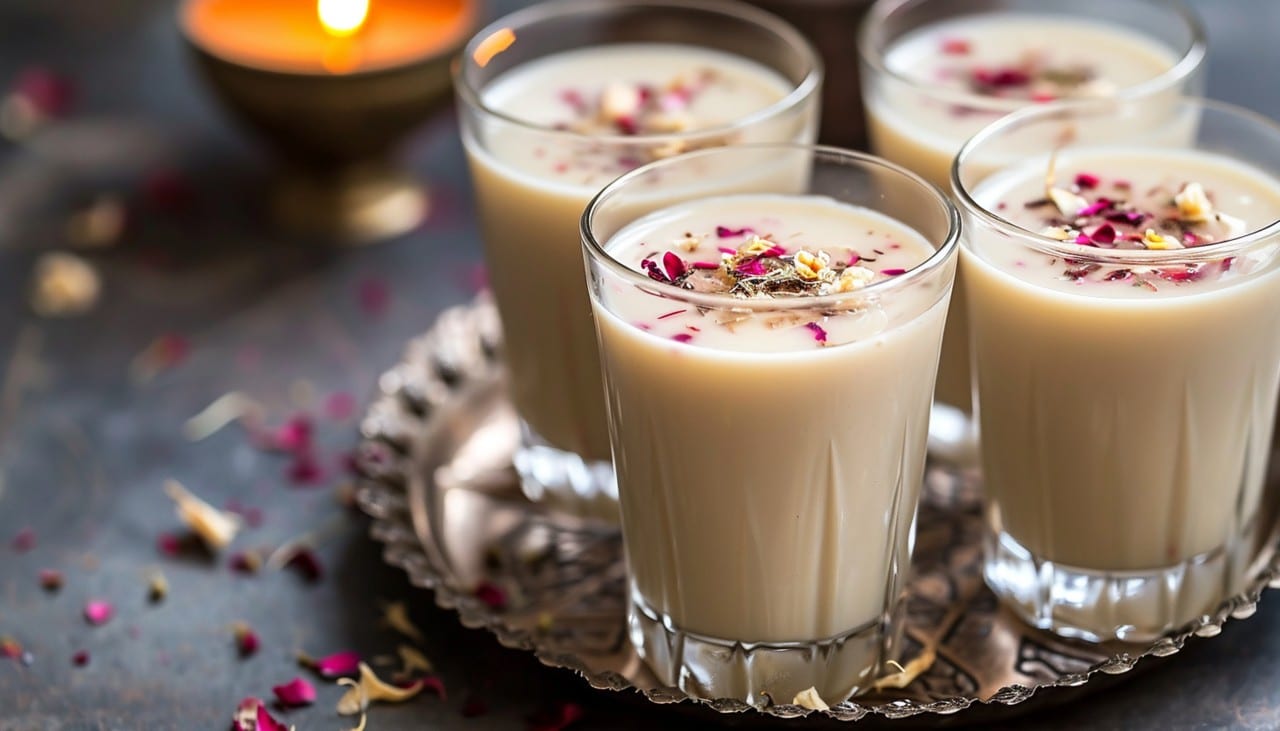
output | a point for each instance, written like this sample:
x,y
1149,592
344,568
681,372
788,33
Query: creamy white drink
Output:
x,y
1127,378
769,454
941,83
585,117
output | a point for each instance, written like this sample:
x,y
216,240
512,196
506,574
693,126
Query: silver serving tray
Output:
x,y
437,481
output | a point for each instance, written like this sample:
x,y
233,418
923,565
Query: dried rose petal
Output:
x,y
435,685
295,435
374,296
724,232
216,528
24,540
673,265
672,313
894,272
337,665
265,722
80,658
1087,181
854,258
752,268
49,93
50,579
1096,207
656,274
98,612
169,191
245,562
247,642
1103,235
706,265
305,469
819,334
492,595
1000,78
956,47
1133,218
563,716
169,544
682,337
10,647
296,692
306,563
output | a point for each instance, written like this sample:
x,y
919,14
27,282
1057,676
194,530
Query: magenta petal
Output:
x,y
266,722
819,334
706,265
726,250
492,595
682,337
1087,181
338,664
169,544
47,91
673,265
292,436
752,268
296,692
339,406
1096,207
305,469
306,563
725,232
1103,235
247,643
651,268
854,258
435,685
98,612
893,272
80,659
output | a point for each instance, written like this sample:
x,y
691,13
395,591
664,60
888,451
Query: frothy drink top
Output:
x,y
761,248
627,90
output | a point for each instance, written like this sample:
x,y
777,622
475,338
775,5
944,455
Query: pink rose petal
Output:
x,y
673,265
956,47
1087,181
247,642
656,274
724,232
819,334
1096,207
48,92
98,612
305,469
296,692
306,563
80,658
266,722
706,265
435,685
682,337
338,665
894,272
492,595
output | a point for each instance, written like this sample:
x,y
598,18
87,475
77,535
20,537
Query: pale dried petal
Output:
x,y
1058,233
396,616
909,672
229,407
1159,242
370,689
1193,203
1068,203
810,699
413,659
217,528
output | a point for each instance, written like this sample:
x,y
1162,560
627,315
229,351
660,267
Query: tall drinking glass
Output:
x,y
557,100
769,346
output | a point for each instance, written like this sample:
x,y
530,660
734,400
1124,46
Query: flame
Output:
x,y
342,17
497,42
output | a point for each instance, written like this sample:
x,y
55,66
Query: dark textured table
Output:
x,y
87,437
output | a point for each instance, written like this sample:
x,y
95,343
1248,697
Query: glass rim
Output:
x,y
1188,63
808,87
1066,111
945,250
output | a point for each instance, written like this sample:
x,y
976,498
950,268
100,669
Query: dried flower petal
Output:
x,y
157,587
246,639
724,232
956,47
306,563
682,337
912,670
564,715
413,660
396,616
340,406
50,580
296,692
252,715
10,647
1098,206
893,272
1087,181
63,285
229,407
23,541
810,699
1068,203
1193,203
673,265
374,296
98,612
491,595
245,562
819,334
295,435
266,722
337,665
165,352
215,527
370,688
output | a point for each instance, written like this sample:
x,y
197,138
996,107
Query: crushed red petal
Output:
x,y
435,685
305,469
306,563
561,717
627,125
296,692
244,563
50,579
24,540
295,435
725,232
492,595
1098,206
726,250
80,658
819,333
10,648
1133,218
169,544
682,337
751,268
673,265
651,268
1043,97
47,91
706,265
1103,235
373,295
337,665
1087,181
266,722
854,258
893,272
1000,78
98,612
247,642
339,406
474,707
956,47
574,99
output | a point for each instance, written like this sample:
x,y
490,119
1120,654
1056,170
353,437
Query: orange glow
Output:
x,y
342,17
497,42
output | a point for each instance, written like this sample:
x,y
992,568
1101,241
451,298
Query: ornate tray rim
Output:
x,y
401,406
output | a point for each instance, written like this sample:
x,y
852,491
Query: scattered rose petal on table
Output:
x,y
340,405
296,692
215,527
10,647
371,688
332,666
561,717
98,612
247,642
50,580
396,616
305,561
80,658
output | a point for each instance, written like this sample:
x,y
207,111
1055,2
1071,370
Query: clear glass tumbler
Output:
x,y
1124,298
935,72
769,449
534,177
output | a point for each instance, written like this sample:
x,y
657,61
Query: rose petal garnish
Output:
x,y
673,265
305,561
1103,235
724,232
819,334
894,272
396,616
682,337
656,274
371,688
752,268
80,658
296,692
50,580
491,595
266,722
46,92
157,587
24,540
215,527
295,435
337,665
1133,218
1001,78
1096,207
706,265
413,660
305,469
956,47
229,407
1087,180
98,612
247,642
169,544
563,716
810,699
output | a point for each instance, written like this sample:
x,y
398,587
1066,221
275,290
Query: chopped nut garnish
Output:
x,y
755,246
810,699
1067,202
810,266
619,100
852,278
689,243
1193,205
668,123
1059,233
1159,242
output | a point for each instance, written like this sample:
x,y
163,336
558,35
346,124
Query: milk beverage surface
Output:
x,y
533,184
1126,408
769,456
1012,60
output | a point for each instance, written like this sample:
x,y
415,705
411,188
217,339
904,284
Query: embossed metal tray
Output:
x,y
435,458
